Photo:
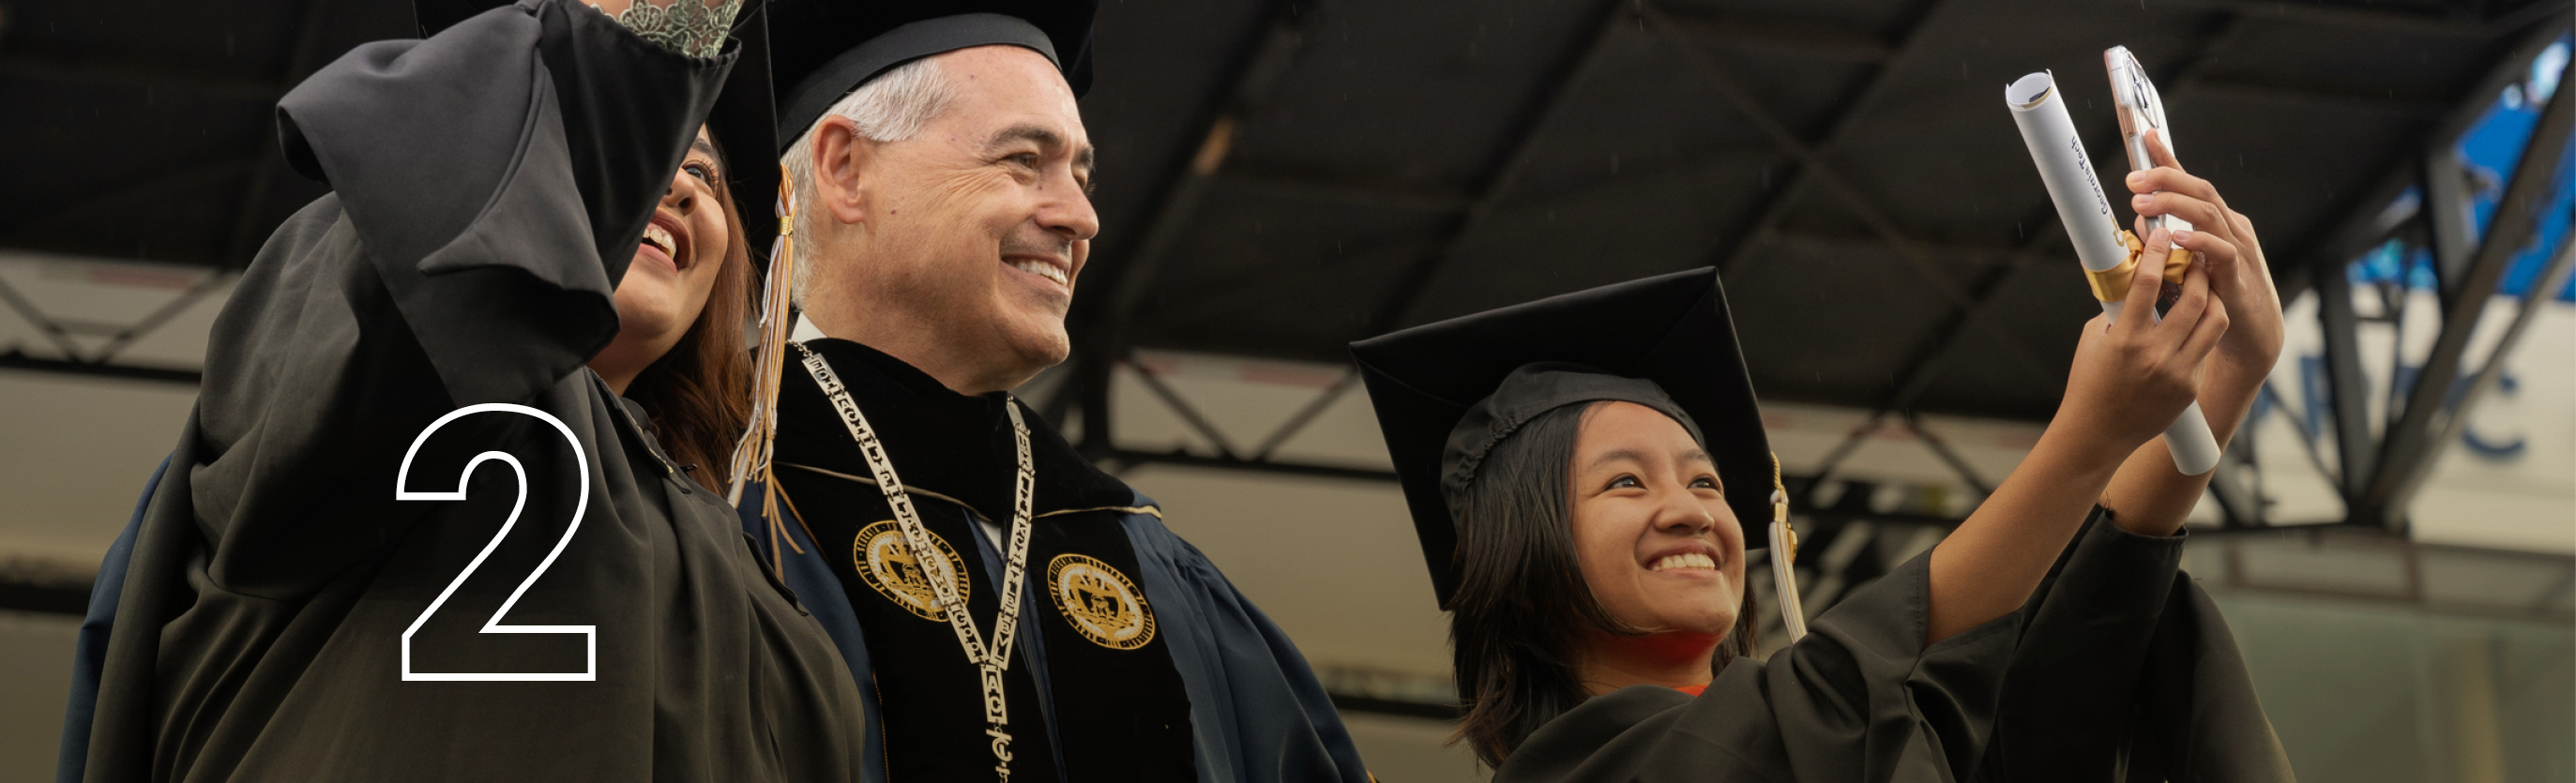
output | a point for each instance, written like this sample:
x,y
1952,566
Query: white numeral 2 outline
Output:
x,y
589,633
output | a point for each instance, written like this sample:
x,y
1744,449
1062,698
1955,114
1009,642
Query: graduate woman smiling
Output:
x,y
1585,473
421,526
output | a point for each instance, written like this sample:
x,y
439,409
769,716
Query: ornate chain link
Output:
x,y
990,660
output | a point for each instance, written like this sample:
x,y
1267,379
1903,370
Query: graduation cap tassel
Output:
x,y
751,452
1784,557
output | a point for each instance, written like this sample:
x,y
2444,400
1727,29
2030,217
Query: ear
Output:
x,y
842,161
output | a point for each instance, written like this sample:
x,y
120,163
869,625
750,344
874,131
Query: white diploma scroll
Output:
x,y
2086,210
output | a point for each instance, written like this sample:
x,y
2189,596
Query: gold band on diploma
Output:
x,y
2112,285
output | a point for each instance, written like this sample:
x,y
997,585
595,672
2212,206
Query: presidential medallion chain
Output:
x,y
992,660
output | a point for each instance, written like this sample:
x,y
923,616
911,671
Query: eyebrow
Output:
x,y
1043,137
1633,455
1615,455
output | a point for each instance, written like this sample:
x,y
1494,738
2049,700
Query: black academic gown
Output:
x,y
2127,672
2115,667
1136,660
287,617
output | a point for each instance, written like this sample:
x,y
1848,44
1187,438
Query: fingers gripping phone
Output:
x,y
2141,109
2039,111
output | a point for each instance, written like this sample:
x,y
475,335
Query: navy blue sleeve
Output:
x,y
1260,715
89,651
785,547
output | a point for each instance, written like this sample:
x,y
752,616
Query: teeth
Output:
x,y
1693,560
1043,269
660,238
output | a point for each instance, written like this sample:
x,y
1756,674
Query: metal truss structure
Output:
x,y
103,361
2377,473
1849,539
2380,476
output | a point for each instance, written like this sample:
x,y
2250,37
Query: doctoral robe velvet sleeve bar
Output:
x,y
285,617
1135,659
1257,712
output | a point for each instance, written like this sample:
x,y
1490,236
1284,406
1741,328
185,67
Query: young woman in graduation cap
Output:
x,y
1585,473
530,266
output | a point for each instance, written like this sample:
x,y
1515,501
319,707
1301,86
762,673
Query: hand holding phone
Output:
x,y
2141,109
2105,250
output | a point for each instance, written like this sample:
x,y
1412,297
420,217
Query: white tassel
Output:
x,y
1784,558
752,451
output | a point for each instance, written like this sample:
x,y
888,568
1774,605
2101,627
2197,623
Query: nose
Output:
x,y
682,194
1680,512
1067,211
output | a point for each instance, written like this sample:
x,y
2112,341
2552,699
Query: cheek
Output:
x,y
714,243
1730,537
709,234
702,282
1607,559
980,199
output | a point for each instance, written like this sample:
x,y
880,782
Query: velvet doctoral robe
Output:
x,y
1135,659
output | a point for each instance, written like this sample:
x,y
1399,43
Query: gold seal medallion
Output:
x,y
1100,603
888,566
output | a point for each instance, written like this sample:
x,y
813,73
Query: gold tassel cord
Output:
x,y
790,503
751,454
1784,557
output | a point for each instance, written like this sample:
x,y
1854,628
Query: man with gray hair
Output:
x,y
1011,611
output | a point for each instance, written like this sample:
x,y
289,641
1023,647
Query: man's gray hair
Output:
x,y
892,107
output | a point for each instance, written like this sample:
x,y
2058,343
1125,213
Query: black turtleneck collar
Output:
x,y
953,444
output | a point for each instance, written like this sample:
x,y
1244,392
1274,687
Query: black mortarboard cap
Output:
x,y
1445,393
742,123
822,49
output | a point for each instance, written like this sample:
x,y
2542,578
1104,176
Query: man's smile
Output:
x,y
1054,270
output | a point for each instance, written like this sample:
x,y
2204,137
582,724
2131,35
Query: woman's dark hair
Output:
x,y
1521,603
699,392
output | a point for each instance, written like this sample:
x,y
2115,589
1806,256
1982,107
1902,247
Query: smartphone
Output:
x,y
2141,109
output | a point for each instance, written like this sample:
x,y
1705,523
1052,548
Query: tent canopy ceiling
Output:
x,y
1280,178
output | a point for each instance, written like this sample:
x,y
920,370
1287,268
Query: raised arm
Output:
x,y
499,175
2130,379
2147,496
489,185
